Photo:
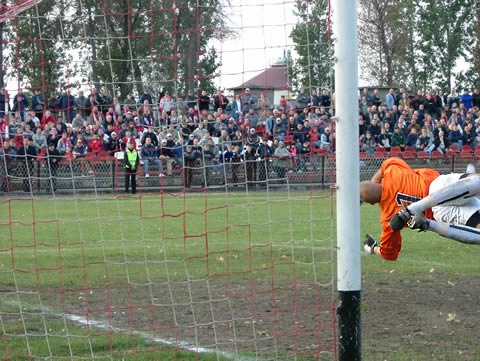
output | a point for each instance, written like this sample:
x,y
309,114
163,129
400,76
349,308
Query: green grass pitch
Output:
x,y
70,249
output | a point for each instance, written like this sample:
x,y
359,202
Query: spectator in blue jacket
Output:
x,y
67,105
455,137
149,154
38,104
467,99
412,138
20,104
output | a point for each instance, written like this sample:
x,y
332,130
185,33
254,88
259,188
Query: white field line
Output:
x,y
104,326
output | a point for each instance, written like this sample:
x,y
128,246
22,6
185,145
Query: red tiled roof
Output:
x,y
272,78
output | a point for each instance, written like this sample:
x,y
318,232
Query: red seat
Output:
x,y
381,150
467,149
288,139
410,150
380,155
436,154
365,156
422,155
395,150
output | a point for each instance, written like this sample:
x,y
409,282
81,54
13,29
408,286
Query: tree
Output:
x,y
36,54
122,45
386,41
313,68
444,28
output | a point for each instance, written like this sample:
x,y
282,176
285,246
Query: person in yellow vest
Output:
x,y
131,165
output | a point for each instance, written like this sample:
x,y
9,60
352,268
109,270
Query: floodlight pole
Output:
x,y
348,179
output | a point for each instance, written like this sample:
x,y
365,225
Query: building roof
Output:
x,y
274,77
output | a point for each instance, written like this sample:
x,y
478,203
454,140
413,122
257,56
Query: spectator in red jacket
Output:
x,y
47,118
95,145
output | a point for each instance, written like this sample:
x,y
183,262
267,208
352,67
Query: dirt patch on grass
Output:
x,y
436,317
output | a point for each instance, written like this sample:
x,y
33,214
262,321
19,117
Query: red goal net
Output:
x,y
166,172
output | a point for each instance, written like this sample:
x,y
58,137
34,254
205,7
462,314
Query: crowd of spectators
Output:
x,y
424,122
220,131
168,132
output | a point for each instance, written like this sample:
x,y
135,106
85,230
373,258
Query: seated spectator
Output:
x,y
326,140
95,145
441,142
150,154
424,142
126,139
412,138
150,134
455,137
48,118
398,138
469,135
385,139
369,144
40,140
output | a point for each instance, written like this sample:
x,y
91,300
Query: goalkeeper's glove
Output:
x,y
369,244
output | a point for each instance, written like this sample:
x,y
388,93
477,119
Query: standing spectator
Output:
x,y
191,157
248,101
150,154
81,102
453,99
53,104
130,102
368,97
376,100
325,100
303,101
261,108
467,99
106,101
53,158
145,96
67,105
390,99
237,108
191,100
38,104
204,102
315,99
20,104
4,103
475,96
27,155
166,103
220,101
284,105
7,158
132,160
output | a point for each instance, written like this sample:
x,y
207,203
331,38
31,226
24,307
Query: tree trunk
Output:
x,y
190,62
93,61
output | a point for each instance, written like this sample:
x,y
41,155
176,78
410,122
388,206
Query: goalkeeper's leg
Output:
x,y
454,194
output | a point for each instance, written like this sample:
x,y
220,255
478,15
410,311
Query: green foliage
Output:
x,y
313,68
415,45
127,49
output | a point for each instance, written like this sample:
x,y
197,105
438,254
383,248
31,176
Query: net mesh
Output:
x,y
223,256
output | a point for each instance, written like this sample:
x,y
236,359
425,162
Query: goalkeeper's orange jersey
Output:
x,y
401,185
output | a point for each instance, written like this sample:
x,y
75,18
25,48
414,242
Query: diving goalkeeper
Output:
x,y
404,194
